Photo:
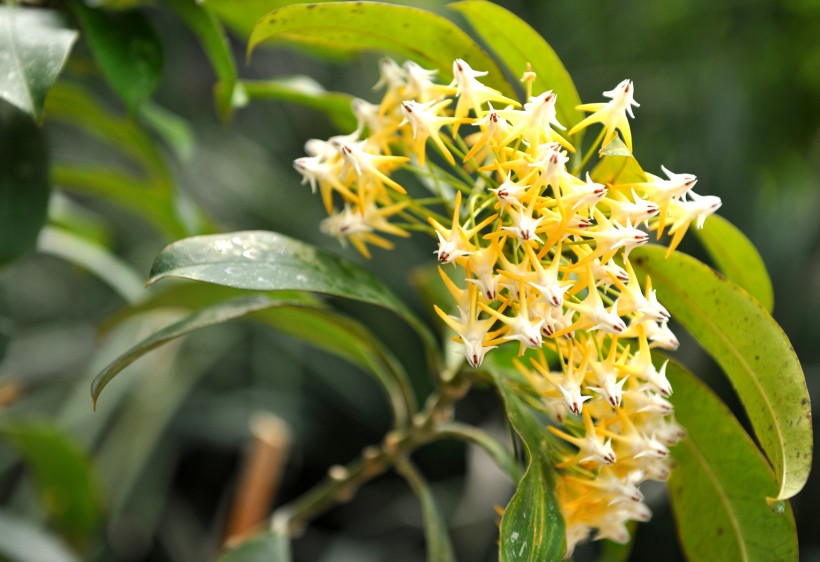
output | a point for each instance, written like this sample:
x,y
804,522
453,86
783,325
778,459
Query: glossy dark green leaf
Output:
x,y
34,45
752,350
439,547
532,528
267,261
515,44
416,34
62,473
737,258
79,107
23,541
24,183
720,483
124,190
267,547
125,47
305,91
227,92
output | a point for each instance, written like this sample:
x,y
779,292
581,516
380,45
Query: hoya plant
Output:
x,y
554,279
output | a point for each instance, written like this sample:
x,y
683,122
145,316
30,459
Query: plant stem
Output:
x,y
342,482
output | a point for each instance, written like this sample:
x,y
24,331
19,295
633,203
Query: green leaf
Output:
x,y
268,547
22,541
267,261
720,483
752,350
617,169
126,48
416,34
305,91
216,314
123,190
79,107
24,183
532,528
65,484
228,93
515,44
297,315
34,45
737,258
439,547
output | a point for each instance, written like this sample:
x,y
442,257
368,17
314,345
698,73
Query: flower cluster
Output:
x,y
539,241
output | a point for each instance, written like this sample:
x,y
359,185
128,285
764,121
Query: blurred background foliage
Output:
x,y
729,91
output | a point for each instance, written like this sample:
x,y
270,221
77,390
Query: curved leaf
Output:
x,y
416,34
97,259
173,129
515,44
267,261
720,483
126,48
34,46
532,528
307,92
66,486
439,547
737,258
24,183
752,350
200,319
295,315
268,547
227,92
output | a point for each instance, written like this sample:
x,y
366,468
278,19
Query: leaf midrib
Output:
x,y
753,375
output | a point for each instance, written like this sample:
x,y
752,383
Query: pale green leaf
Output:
x,y
516,43
439,547
720,483
752,350
737,258
34,45
422,36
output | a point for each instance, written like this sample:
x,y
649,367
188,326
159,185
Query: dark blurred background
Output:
x,y
729,91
